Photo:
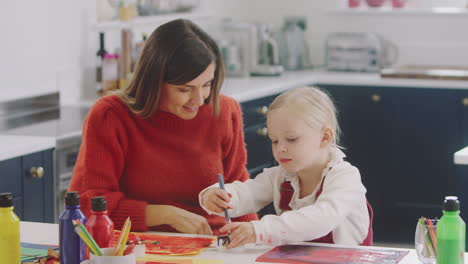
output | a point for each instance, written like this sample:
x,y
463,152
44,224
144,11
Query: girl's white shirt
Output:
x,y
341,207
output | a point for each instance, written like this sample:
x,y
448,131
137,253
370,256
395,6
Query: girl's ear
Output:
x,y
327,137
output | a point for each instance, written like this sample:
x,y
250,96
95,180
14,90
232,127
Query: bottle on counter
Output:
x,y
137,50
99,225
451,234
110,72
10,248
72,248
100,57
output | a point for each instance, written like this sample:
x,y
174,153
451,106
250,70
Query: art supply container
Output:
x,y
9,231
451,234
99,225
423,242
72,248
107,258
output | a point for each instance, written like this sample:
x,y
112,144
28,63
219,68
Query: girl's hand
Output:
x,y
242,233
216,200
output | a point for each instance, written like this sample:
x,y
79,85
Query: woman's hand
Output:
x,y
216,200
241,233
180,219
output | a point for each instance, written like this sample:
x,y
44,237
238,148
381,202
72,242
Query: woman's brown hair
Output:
x,y
176,53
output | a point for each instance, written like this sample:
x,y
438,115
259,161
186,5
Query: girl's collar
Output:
x,y
337,156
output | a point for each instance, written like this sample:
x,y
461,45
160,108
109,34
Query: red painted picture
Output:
x,y
170,245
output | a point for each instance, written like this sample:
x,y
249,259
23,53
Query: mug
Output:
x,y
107,258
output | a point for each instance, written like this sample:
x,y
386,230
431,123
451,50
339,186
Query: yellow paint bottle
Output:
x,y
10,248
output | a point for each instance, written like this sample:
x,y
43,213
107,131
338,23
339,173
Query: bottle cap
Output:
x,y
6,200
99,203
451,204
72,199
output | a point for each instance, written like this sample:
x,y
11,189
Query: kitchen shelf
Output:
x,y
147,20
385,10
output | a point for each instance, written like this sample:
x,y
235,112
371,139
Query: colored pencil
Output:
x,y
124,242
129,249
430,230
425,234
120,246
86,237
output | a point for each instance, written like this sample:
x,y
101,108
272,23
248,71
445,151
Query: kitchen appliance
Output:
x,y
359,52
46,118
268,63
241,48
294,51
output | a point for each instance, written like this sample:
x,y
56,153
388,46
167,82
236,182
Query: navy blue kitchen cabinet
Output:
x,y
424,133
360,111
259,154
30,179
402,140
462,170
463,103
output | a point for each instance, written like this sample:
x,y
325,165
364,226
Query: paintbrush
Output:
x,y
221,186
223,239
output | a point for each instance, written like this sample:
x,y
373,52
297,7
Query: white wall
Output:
x,y
422,39
51,45
40,48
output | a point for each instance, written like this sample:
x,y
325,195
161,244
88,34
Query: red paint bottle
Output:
x,y
99,225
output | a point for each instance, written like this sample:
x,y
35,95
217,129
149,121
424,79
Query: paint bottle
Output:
x,y
72,248
451,234
9,231
99,225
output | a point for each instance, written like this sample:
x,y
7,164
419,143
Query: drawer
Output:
x,y
258,146
255,111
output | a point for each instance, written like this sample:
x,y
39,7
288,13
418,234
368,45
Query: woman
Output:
x,y
151,148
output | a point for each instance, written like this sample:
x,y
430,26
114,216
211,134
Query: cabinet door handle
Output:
x,y
263,132
263,110
37,172
465,101
376,98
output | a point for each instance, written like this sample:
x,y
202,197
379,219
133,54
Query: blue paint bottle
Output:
x,y
72,248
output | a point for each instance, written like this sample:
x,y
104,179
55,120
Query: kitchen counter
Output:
x,y
245,89
68,124
48,234
14,146
461,156
242,89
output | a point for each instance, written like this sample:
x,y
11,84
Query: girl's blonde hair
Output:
x,y
313,106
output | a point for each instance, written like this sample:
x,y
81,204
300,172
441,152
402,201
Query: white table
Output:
x,y
461,156
41,233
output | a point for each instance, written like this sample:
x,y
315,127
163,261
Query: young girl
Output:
x,y
317,195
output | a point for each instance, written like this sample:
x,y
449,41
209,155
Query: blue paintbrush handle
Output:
x,y
221,186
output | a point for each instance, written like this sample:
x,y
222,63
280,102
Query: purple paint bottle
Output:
x,y
72,248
